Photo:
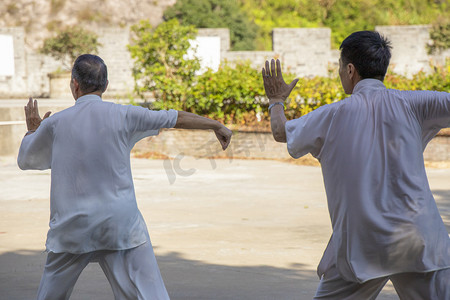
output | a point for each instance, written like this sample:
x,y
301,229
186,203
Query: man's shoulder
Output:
x,y
332,107
61,114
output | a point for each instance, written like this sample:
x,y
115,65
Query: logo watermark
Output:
x,y
238,148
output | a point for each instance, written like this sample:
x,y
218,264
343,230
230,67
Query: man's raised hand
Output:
x,y
32,115
276,89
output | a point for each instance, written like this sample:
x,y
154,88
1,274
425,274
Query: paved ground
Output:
x,y
242,230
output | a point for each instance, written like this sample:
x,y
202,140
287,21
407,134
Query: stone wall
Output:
x,y
304,51
307,51
16,84
438,149
32,69
224,35
250,145
409,53
178,143
118,59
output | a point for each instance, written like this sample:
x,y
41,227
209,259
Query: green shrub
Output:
x,y
440,35
161,65
69,43
437,80
229,94
311,93
234,94
343,16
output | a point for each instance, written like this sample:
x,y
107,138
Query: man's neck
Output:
x,y
93,93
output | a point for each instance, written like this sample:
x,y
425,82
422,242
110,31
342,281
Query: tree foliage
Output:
x,y
162,66
343,16
216,14
440,35
69,43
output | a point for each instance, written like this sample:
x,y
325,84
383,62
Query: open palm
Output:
x,y
274,84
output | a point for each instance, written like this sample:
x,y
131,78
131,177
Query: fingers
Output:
x,y
263,74
292,85
279,74
36,109
226,142
272,68
47,114
224,137
28,106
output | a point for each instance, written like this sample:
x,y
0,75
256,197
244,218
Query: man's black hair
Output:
x,y
369,52
91,73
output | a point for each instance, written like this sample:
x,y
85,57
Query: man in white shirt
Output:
x,y
386,225
93,210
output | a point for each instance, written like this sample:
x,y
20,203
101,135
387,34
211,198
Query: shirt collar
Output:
x,y
87,98
368,83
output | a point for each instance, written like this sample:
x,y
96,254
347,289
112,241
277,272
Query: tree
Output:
x,y
343,16
216,14
69,43
440,35
162,66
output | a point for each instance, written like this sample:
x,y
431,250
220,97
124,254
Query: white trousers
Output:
x,y
132,273
409,286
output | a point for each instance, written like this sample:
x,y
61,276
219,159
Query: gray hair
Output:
x,y
91,73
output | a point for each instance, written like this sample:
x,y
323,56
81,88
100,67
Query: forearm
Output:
x,y
277,122
33,155
188,120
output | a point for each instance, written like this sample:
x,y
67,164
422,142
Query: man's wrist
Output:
x,y
281,103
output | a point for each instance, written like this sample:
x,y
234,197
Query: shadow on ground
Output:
x,y
185,279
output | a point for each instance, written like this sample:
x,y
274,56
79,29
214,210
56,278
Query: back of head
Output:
x,y
369,52
91,73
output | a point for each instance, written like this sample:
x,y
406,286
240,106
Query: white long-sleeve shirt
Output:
x,y
370,147
87,146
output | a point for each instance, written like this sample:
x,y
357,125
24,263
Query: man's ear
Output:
x,y
76,85
106,86
351,70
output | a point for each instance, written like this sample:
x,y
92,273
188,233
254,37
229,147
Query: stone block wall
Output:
x,y
304,51
409,54
438,149
249,145
118,60
32,69
307,51
16,85
201,143
178,142
223,33
256,58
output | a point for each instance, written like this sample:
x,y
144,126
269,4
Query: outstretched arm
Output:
x,y
192,121
277,91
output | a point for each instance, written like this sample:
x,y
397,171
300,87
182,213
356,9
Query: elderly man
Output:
x,y
386,225
93,210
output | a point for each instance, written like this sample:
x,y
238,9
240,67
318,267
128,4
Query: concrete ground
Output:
x,y
221,229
